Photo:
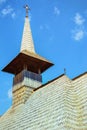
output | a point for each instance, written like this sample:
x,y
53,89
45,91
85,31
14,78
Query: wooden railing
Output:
x,y
20,77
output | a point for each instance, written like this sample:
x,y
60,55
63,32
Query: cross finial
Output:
x,y
65,71
27,8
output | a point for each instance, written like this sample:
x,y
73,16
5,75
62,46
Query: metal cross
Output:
x,y
27,9
65,71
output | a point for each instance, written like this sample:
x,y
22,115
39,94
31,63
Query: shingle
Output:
x,y
59,105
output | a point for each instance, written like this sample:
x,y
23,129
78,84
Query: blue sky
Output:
x,y
59,29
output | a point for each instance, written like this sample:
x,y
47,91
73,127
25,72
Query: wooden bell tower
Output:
x,y
27,67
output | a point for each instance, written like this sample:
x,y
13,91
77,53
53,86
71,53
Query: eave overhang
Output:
x,y
31,61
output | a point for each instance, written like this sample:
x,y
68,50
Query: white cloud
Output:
x,y
13,15
8,11
78,19
2,1
44,26
10,93
56,11
78,34
79,31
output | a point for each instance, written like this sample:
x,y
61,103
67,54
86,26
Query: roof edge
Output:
x,y
49,82
58,78
43,64
79,76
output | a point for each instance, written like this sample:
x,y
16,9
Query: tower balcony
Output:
x,y
26,76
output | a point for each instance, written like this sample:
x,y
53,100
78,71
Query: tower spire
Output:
x,y
27,40
27,67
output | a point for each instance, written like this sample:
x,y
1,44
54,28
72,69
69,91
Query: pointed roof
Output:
x,y
27,40
31,61
27,58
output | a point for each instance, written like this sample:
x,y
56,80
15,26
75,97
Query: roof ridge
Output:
x,y
79,75
49,81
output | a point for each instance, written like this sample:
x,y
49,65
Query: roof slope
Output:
x,y
59,105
